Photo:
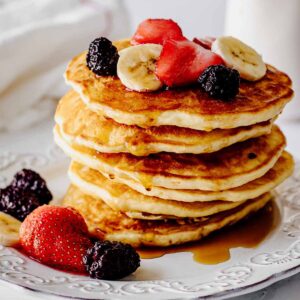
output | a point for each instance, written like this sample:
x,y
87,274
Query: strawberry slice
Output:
x,y
157,31
182,62
204,42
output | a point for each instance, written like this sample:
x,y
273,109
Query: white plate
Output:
x,y
173,276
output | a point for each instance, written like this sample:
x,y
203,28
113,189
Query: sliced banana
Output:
x,y
136,67
239,56
9,230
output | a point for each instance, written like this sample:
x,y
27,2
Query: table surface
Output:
x,y
285,289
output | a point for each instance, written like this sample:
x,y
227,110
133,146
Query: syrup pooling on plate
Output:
x,y
216,248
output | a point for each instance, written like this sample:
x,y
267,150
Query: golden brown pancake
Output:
x,y
81,125
281,170
184,107
122,198
105,223
228,168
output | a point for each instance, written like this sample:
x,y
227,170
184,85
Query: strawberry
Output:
x,y
204,42
182,62
157,31
56,236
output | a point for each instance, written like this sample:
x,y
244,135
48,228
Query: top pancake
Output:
x,y
81,125
184,107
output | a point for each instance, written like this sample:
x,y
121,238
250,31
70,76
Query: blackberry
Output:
x,y
18,203
111,260
220,82
102,57
31,181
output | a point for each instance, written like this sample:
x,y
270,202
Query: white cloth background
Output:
x,y
37,39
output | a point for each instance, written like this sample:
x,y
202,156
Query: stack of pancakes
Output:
x,y
172,166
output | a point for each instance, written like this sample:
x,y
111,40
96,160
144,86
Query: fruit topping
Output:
x,y
240,56
56,236
204,42
9,230
111,260
102,57
157,31
182,62
220,82
136,67
17,202
31,181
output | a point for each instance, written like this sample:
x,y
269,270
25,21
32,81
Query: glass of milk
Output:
x,y
272,27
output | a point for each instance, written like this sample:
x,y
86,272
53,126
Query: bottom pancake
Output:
x,y
106,223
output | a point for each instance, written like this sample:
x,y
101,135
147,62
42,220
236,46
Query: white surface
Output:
x,y
273,28
196,17
37,39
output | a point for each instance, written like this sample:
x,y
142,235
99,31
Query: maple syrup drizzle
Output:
x,y
216,247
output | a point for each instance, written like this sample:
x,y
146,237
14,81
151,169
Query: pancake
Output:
x,y
281,170
123,198
151,217
82,126
105,223
228,168
187,107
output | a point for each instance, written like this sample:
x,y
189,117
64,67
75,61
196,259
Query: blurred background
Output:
x,y
196,17
38,38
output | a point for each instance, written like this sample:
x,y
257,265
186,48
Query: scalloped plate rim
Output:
x,y
234,292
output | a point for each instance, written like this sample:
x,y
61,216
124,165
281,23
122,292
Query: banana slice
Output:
x,y
9,230
240,56
136,67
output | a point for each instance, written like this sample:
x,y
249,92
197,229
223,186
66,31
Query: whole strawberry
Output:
x,y
56,236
